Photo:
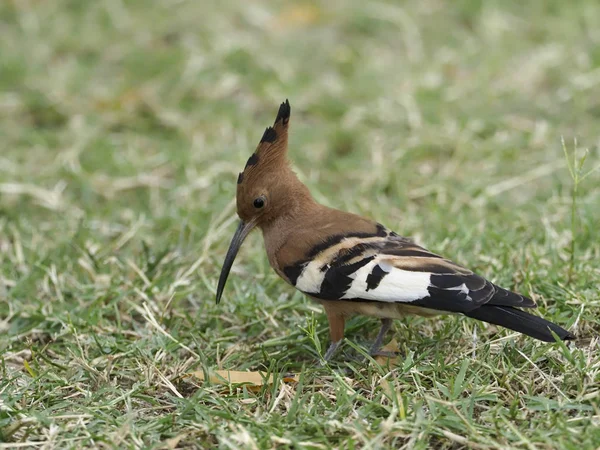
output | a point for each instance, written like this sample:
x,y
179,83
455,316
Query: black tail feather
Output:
x,y
520,321
504,297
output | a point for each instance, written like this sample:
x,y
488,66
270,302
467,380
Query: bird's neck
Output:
x,y
300,212
291,236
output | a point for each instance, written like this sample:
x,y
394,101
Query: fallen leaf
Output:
x,y
171,444
391,347
252,380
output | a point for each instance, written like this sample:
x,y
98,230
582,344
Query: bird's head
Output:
x,y
266,189
262,188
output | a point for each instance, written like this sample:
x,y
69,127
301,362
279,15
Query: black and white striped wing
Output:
x,y
392,269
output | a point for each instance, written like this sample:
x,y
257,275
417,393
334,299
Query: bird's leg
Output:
x,y
376,347
336,331
331,350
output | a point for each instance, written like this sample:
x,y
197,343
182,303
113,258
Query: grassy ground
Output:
x,y
123,126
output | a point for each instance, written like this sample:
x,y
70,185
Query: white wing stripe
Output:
x,y
397,286
311,278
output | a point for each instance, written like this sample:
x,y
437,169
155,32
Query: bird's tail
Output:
x,y
520,321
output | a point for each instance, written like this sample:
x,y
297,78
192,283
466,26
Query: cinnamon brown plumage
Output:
x,y
353,265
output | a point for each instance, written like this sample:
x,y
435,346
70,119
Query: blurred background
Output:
x,y
123,126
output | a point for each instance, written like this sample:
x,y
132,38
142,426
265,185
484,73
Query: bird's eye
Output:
x,y
259,202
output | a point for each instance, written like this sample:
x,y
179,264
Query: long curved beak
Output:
x,y
242,231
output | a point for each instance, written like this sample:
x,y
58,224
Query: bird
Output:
x,y
353,265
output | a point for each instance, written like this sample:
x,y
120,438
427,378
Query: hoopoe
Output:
x,y
353,265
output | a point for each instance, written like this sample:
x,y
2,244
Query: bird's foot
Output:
x,y
385,353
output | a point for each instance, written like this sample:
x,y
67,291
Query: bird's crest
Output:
x,y
272,148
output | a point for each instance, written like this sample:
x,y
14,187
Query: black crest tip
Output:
x,y
269,135
253,160
240,178
284,112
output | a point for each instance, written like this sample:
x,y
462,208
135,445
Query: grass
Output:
x,y
124,125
